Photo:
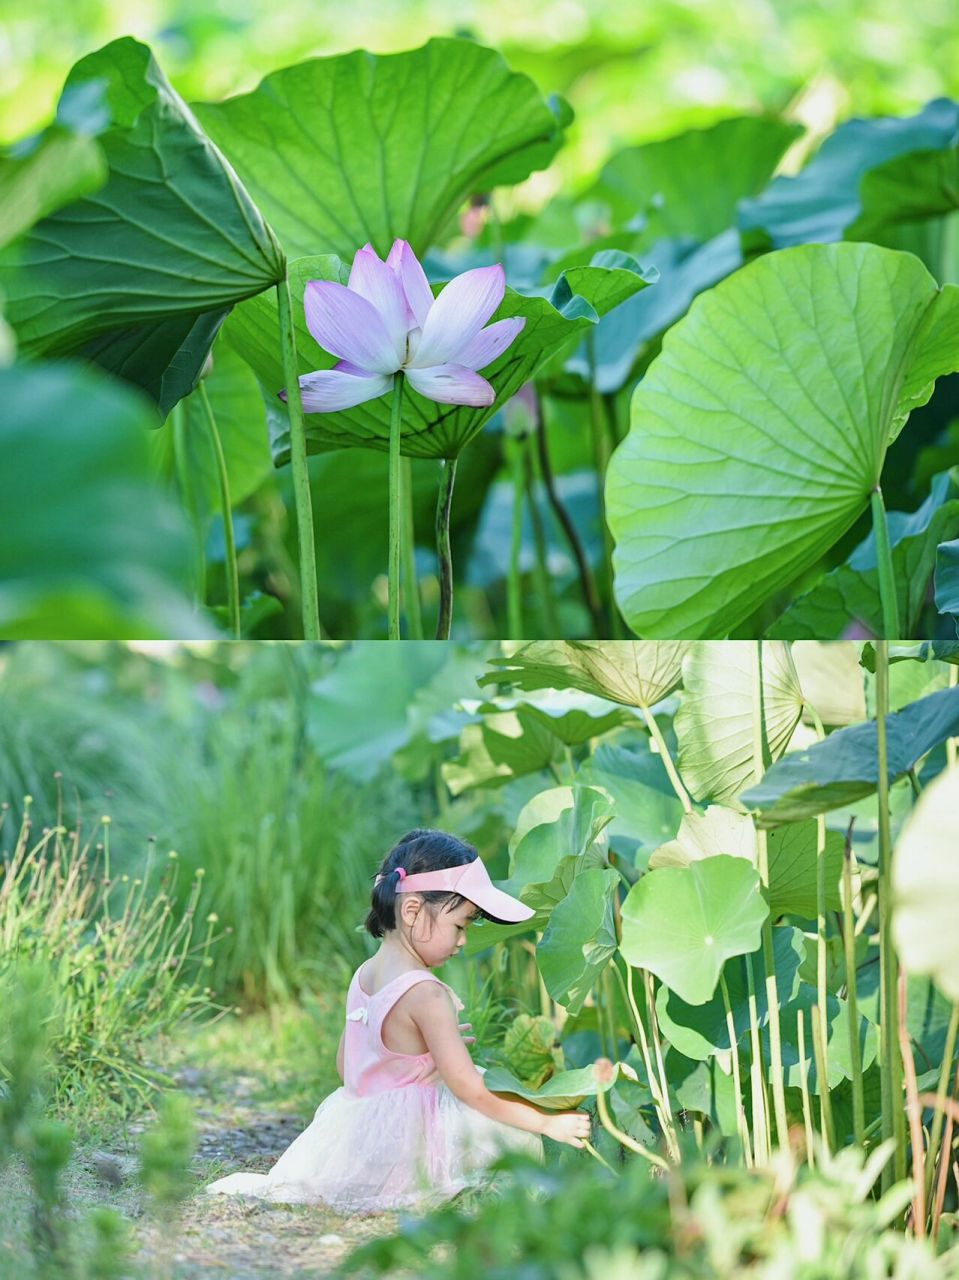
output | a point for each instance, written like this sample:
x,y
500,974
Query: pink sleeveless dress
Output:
x,y
384,1140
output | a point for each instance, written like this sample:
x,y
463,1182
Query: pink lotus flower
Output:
x,y
386,321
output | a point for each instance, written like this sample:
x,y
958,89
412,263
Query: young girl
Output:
x,y
414,1123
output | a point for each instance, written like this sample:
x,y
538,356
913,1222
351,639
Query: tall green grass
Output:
x,y
288,847
116,949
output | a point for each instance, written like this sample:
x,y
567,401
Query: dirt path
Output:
x,y
216,1236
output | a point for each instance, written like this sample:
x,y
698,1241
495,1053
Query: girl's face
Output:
x,y
438,937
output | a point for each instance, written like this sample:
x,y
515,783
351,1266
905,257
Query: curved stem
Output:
x,y
301,476
624,1138
583,568
444,504
657,735
411,591
226,510
396,427
596,1156
887,577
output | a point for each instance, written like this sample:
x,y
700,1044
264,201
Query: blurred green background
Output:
x,y
631,72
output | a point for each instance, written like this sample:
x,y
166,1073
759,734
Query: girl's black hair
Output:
x,y
421,849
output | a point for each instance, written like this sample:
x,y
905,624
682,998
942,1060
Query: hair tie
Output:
x,y
401,872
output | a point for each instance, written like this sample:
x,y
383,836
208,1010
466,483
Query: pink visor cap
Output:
x,y
471,879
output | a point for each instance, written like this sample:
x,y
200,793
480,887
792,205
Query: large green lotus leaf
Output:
x,y
759,432
701,1030
909,188
684,923
570,715
714,724
170,236
430,430
559,823
561,1092
240,419
505,745
633,672
850,592
647,809
845,767
48,171
791,854
823,201
92,549
839,1058
580,938
359,714
831,680
947,579
665,180
365,147
925,877
163,357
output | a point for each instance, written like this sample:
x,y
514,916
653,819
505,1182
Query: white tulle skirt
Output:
x,y
408,1148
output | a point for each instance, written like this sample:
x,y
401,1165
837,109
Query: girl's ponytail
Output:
x,y
422,849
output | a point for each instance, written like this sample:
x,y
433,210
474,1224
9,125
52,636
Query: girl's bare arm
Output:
x,y
432,1011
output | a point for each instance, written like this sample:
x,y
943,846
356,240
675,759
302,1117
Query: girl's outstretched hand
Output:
x,y
567,1126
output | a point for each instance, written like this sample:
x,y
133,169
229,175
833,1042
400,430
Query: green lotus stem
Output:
x,y
657,736
887,576
890,1071
821,956
769,956
444,559
593,1152
952,744
609,1007
514,591
188,496
741,1122
226,511
914,1108
623,1138
935,1129
396,500
643,1042
309,600
762,1139
852,999
944,1159
818,1022
583,567
411,593
804,1090
657,1042
601,453
541,570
